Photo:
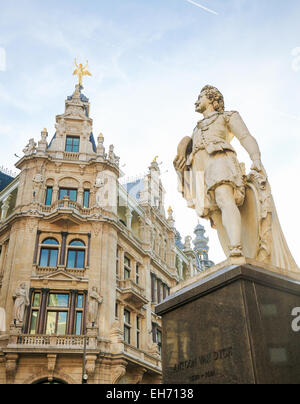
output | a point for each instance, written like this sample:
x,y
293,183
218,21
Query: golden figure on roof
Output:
x,y
81,71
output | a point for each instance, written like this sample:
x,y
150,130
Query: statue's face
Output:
x,y
202,103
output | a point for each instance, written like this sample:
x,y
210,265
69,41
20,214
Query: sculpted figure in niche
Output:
x,y
95,300
21,302
100,185
215,184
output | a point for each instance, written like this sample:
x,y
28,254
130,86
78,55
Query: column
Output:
x,y
42,316
27,313
70,329
89,251
80,196
85,311
121,263
5,208
36,248
62,261
55,193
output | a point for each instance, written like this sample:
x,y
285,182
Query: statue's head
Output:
x,y
210,96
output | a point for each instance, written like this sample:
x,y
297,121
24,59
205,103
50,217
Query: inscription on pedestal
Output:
x,y
232,332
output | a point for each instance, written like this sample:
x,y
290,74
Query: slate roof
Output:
x,y
5,180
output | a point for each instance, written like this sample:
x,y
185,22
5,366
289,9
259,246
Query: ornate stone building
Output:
x,y
83,262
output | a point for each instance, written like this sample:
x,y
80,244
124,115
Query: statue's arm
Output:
x,y
185,147
239,129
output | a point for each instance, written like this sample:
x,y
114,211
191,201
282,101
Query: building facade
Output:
x,y
83,262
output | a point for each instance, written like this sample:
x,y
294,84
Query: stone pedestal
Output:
x,y
232,327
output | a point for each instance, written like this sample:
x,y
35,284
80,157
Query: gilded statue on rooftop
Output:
x,y
81,71
215,184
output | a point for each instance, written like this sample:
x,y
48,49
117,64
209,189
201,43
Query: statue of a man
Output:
x,y
215,184
95,300
21,302
212,156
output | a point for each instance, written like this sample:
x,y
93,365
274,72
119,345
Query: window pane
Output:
x,y
79,302
33,325
51,323
127,334
53,258
73,195
127,316
62,194
68,148
86,200
80,259
77,243
58,300
126,274
36,300
62,323
44,257
50,241
76,141
127,261
72,144
78,323
71,259
49,196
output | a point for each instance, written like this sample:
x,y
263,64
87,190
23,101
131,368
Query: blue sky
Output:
x,y
149,60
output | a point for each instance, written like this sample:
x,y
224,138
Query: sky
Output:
x,y
149,60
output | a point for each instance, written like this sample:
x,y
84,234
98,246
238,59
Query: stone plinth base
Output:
x,y
232,327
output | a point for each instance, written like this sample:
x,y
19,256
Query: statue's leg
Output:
x,y
231,217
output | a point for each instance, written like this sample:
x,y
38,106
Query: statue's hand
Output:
x,y
179,163
257,166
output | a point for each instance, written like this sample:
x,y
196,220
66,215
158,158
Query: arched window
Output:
x,y
77,243
76,254
49,253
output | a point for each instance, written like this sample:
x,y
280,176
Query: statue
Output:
x,y
95,300
2,320
215,184
100,185
81,71
30,148
21,302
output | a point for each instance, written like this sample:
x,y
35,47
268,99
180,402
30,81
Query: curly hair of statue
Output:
x,y
215,96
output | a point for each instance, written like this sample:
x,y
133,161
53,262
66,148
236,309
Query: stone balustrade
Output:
x,y
66,204
51,341
71,156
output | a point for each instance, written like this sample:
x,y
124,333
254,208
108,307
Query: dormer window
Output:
x,y
72,144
